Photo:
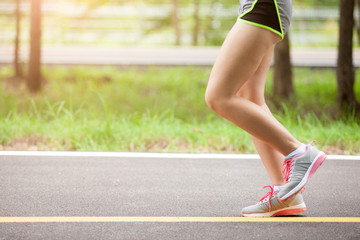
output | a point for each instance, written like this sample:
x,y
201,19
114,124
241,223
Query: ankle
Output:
x,y
298,151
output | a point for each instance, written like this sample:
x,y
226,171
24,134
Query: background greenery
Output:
x,y
159,109
151,22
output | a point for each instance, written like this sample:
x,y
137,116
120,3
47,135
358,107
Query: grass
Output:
x,y
160,110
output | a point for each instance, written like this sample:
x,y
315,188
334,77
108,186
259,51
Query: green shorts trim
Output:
x,y
264,14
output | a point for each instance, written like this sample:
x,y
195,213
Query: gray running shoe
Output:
x,y
270,206
299,169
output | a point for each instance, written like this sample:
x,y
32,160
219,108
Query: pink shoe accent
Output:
x,y
286,169
288,164
268,195
317,164
290,211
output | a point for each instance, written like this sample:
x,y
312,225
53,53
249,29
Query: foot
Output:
x,y
299,169
270,206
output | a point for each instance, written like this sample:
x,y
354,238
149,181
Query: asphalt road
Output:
x,y
127,186
165,56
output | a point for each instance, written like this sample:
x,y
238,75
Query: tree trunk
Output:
x,y
17,66
345,69
283,86
358,22
34,75
176,22
196,23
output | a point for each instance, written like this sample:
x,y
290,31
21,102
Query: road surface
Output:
x,y
97,185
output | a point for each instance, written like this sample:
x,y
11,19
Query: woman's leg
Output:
x,y
272,160
241,55
253,90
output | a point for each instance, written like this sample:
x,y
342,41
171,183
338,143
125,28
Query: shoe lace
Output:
x,y
286,169
268,195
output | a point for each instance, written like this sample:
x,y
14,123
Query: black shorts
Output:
x,y
274,15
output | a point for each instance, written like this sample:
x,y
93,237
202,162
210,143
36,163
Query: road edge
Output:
x,y
152,155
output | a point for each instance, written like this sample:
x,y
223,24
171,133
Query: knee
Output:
x,y
213,100
210,99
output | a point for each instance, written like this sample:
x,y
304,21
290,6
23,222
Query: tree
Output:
x,y
196,22
283,86
176,21
17,66
34,81
345,70
357,22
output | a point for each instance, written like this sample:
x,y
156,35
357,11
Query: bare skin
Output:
x,y
253,90
236,92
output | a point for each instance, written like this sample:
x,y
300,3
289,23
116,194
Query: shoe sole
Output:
x,y
281,212
319,159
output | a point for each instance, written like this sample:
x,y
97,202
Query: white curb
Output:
x,y
152,155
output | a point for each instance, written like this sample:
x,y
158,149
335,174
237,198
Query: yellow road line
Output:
x,y
178,219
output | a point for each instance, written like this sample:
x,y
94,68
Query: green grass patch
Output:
x,y
160,110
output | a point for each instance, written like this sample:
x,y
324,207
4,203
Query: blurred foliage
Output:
x,y
159,109
150,22
232,2
329,3
185,2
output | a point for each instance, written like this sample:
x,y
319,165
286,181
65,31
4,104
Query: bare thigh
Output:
x,y
239,58
253,89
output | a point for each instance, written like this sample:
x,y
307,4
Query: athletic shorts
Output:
x,y
274,15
